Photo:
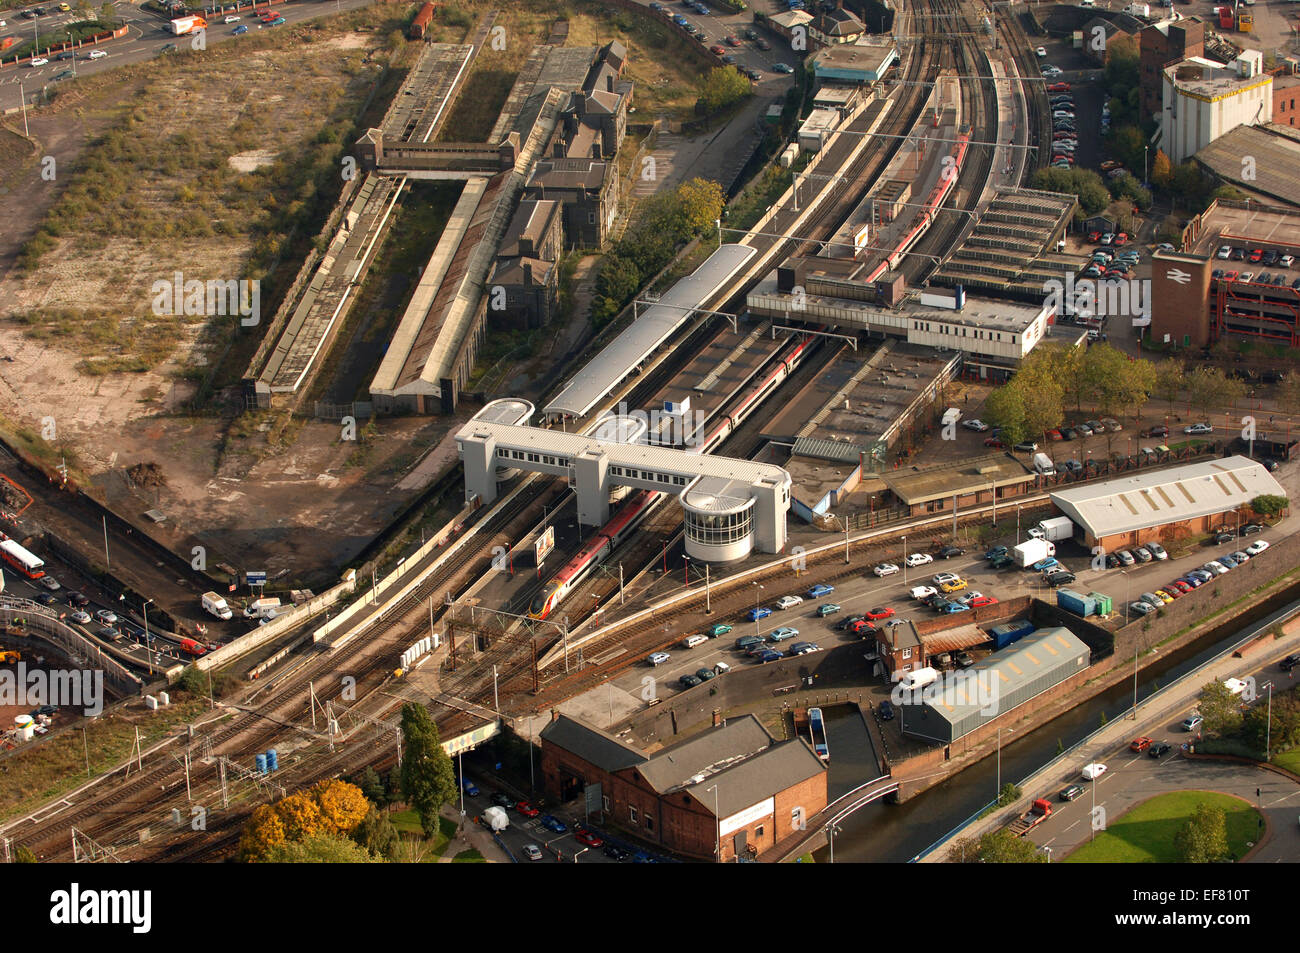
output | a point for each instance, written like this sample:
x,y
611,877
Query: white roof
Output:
x,y
1166,496
655,325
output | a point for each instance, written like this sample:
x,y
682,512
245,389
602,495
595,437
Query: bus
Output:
x,y
21,559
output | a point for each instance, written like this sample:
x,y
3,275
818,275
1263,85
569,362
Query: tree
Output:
x,y
376,833
264,831
1003,847
300,815
372,786
721,88
1162,170
1009,794
1209,388
1268,504
342,806
1006,409
24,855
701,202
321,849
428,778
1221,710
1170,380
1204,838
1127,144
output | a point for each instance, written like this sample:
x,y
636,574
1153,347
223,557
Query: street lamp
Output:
x,y
578,853
686,572
756,591
905,560
1009,731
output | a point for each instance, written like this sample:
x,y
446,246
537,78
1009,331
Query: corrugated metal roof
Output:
x,y
655,325
1166,496
828,449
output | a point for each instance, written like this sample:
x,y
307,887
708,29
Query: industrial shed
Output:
x,y
1195,498
1008,679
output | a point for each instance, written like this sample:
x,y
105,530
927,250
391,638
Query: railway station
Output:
x,y
731,505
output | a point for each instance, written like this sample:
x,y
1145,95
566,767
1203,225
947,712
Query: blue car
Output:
x,y
276,22
995,552
1194,581
952,607
818,591
1048,563
553,823
469,787
768,655
1228,561
760,613
241,30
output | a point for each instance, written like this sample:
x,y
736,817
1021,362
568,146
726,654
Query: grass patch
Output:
x,y
1289,760
470,856
54,765
1145,835
407,823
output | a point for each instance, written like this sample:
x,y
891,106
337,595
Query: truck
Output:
x,y
216,605
1032,551
262,608
496,819
1138,10
1071,601
1043,465
1038,812
183,25
1057,528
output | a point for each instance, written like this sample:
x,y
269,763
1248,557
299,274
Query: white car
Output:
x,y
970,597
231,19
975,424
96,55
532,852
885,569
50,583
1257,547
1157,551
1198,429
788,602
1041,51
1286,261
1225,252
919,559
923,592
106,616
80,616
39,61
941,578
1216,567
1091,772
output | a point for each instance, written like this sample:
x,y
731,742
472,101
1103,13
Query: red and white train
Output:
x,y
632,512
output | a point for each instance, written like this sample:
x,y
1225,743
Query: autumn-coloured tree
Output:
x,y
1162,170
264,831
300,815
342,806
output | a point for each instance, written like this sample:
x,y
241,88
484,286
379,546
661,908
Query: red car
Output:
x,y
1140,744
1121,238
1054,435
717,49
880,612
526,809
1094,237
1256,254
862,627
994,442
1180,587
588,838
980,601
731,41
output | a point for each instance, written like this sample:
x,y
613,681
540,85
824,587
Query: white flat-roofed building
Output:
x,y
996,335
1202,99
817,128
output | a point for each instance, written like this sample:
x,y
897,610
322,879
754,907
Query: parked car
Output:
x,y
1192,722
885,569
995,552
1157,551
783,633
1026,447
762,612
1196,429
880,612
816,592
688,681
827,608
532,852
1290,662
722,628
1257,547
1159,749
1250,529
950,551
526,809
886,711
1140,744
788,602
918,559
658,658
553,823
977,425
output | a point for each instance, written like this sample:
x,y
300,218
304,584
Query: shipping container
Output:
x,y
1075,602
1005,633
1032,551
1057,528
1105,605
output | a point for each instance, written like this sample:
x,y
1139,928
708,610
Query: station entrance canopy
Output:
x,y
593,467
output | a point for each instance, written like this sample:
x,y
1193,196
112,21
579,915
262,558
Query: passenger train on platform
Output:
x,y
629,516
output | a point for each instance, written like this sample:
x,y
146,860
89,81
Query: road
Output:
x,y
147,35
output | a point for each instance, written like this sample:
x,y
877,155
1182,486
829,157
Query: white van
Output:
x,y
722,668
658,658
1043,465
693,640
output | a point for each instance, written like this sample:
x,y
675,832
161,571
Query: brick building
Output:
x,y
1161,46
732,791
524,284
1286,100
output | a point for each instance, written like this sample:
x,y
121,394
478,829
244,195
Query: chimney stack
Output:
x,y
555,714
528,273
717,718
